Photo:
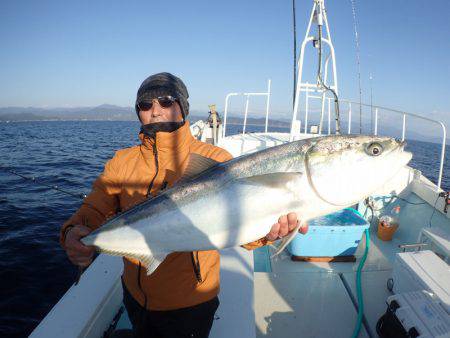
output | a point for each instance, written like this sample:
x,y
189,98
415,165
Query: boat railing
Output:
x,y
247,102
378,110
311,93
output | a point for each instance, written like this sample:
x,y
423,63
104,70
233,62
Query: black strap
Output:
x,y
196,265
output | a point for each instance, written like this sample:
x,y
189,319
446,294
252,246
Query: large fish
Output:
x,y
221,205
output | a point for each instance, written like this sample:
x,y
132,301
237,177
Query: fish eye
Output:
x,y
374,149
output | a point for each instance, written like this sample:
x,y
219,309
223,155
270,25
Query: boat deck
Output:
x,y
318,299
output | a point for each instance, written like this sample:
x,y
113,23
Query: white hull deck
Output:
x,y
291,299
310,299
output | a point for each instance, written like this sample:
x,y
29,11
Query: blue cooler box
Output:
x,y
336,234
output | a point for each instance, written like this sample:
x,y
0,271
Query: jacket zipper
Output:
x,y
195,262
155,153
196,265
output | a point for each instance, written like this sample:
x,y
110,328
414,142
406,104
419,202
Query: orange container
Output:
x,y
386,232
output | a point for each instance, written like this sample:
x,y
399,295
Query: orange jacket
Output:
x,y
183,279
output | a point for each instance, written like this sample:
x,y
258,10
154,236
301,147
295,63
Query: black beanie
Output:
x,y
162,84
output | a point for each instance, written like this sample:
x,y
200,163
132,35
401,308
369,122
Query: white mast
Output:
x,y
318,18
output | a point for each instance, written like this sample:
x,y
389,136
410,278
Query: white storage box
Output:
x,y
422,270
418,311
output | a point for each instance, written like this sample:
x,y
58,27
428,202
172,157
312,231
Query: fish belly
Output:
x,y
237,214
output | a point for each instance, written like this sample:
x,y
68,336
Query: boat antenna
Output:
x,y
319,18
295,52
371,104
36,181
357,62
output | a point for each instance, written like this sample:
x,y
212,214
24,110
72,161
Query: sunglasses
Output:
x,y
164,101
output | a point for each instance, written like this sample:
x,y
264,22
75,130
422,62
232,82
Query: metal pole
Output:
x,y
333,59
246,112
267,105
325,81
225,113
358,63
322,109
441,166
349,118
371,104
300,71
376,122
404,127
295,54
329,117
306,109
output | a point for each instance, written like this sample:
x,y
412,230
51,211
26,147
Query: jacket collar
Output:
x,y
170,141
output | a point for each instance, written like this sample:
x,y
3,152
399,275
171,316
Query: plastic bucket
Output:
x,y
385,233
336,234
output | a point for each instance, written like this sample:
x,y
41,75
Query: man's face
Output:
x,y
157,113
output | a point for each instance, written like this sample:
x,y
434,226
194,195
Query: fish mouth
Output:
x,y
406,156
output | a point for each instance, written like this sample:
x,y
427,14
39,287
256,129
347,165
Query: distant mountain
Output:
x,y
109,112
258,122
393,129
106,112
411,135
21,117
102,112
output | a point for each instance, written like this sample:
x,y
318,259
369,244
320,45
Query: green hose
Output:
x,y
358,287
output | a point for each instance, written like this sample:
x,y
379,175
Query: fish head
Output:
x,y
343,170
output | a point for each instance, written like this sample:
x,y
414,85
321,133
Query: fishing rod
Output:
x,y
36,181
358,62
295,53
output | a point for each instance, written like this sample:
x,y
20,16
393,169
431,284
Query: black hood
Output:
x,y
151,129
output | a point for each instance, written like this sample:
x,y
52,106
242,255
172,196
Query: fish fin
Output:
x,y
152,262
196,165
286,240
274,180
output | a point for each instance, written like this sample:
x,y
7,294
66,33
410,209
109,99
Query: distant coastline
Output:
x,y
113,113
107,113
100,113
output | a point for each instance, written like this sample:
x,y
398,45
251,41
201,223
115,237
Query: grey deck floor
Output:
x,y
303,305
305,299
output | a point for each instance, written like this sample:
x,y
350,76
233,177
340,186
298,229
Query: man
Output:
x,y
180,298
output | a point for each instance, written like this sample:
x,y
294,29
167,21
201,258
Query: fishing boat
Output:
x,y
342,293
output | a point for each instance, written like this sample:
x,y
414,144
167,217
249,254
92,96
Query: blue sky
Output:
x,y
86,53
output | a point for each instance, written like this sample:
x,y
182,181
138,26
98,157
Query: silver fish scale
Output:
x,y
329,145
263,162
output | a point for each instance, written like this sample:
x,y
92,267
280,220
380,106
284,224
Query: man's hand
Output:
x,y
78,253
284,226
